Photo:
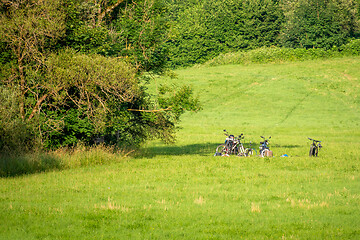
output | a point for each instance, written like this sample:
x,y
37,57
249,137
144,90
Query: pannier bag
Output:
x,y
269,153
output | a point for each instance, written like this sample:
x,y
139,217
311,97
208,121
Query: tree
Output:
x,y
30,29
106,6
91,83
189,41
71,87
102,95
200,30
88,87
246,24
133,29
140,33
319,24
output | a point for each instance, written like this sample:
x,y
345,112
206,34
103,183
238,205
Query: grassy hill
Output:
x,y
289,101
181,191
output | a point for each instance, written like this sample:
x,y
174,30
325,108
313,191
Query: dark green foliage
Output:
x,y
100,97
190,41
319,24
201,30
82,31
207,28
141,31
135,30
6,61
66,128
79,76
90,88
249,24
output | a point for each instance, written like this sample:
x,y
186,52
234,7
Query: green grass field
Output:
x,y
182,191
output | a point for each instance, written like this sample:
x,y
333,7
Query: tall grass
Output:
x,y
80,156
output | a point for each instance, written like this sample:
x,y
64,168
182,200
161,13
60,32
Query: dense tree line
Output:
x,y
200,30
74,70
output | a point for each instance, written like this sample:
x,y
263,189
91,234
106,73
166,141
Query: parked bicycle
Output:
x,y
314,147
229,147
233,145
264,148
246,152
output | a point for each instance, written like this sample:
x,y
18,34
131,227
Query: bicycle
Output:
x,y
229,147
245,152
314,148
264,148
233,145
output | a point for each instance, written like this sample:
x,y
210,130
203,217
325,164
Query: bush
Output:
x,y
16,135
351,48
277,54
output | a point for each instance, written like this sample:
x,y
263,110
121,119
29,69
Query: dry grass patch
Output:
x,y
306,203
255,208
111,205
200,200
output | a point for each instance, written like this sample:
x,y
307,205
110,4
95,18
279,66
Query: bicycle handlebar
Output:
x,y
265,139
241,136
313,140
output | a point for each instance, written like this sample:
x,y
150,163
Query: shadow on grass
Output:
x,y
203,149
17,165
286,146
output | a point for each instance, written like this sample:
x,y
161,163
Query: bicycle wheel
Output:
x,y
241,152
250,152
222,148
264,153
312,151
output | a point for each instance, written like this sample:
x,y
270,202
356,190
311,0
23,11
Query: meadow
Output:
x,y
181,191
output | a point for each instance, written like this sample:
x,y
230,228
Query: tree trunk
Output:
x,y
22,92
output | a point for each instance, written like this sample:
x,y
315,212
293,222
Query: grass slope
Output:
x,y
182,192
289,101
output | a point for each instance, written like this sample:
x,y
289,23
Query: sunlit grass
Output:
x,y
206,197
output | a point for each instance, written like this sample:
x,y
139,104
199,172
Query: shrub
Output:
x,y
351,48
277,54
16,135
